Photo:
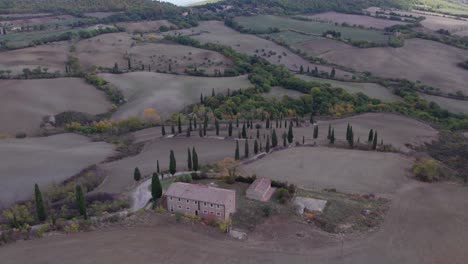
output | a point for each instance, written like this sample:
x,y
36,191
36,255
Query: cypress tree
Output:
x,y
195,122
137,174
172,129
213,92
277,123
351,137
201,98
290,133
156,188
195,164
315,131
303,140
157,167
172,163
332,137
189,160
284,139
190,124
188,132
205,125
230,129
374,143
329,131
285,123
179,125
333,72
237,122
255,147
40,209
80,201
236,155
370,138
258,133
268,144
244,131
274,139
163,130
239,135
347,132
311,118
246,148
267,125
200,132
217,127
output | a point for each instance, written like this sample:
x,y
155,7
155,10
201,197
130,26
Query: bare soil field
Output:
x,y
23,103
370,89
167,93
217,32
414,232
435,22
145,26
52,56
180,58
18,22
44,161
104,50
14,16
100,14
358,20
430,62
345,170
452,105
120,173
279,92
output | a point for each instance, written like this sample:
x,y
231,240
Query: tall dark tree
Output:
x,y
217,127
189,160
290,133
200,132
246,149
163,130
316,129
205,125
195,122
201,99
277,123
267,125
230,129
311,120
136,174
370,138
179,125
351,137
237,155
156,188
80,201
268,144
333,72
255,147
374,143
213,92
188,133
329,131
258,133
303,140
285,136
301,69
40,209
332,137
274,139
347,132
244,131
172,163
158,170
237,122
195,164
172,129
190,124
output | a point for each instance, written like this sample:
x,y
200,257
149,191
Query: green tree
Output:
x,y
301,69
329,131
201,98
347,132
195,164
205,125
80,201
316,129
137,174
374,143
267,148
290,133
217,127
332,137
195,122
351,137
274,139
255,147
370,138
333,72
311,118
258,133
189,160
158,170
267,125
246,149
179,125
285,136
237,122
244,131
156,188
172,163
40,209
230,129
236,155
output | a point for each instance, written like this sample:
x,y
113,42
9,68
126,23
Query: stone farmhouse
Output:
x,y
260,190
201,200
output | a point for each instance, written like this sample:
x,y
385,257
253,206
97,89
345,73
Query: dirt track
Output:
x,y
425,224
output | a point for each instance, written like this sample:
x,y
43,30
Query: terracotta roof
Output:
x,y
202,193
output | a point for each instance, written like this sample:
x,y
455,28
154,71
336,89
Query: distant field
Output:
x,y
52,56
23,103
290,37
358,20
100,14
217,32
435,22
167,93
44,161
345,170
144,26
430,62
452,105
370,89
264,22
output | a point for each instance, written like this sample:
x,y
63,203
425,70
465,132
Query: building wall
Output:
x,y
201,209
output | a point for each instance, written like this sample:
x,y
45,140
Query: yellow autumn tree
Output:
x,y
151,115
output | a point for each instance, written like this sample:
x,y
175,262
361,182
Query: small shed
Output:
x,y
260,190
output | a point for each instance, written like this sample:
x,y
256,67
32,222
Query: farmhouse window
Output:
x,y
205,212
180,207
218,214
211,205
218,205
188,208
179,199
188,201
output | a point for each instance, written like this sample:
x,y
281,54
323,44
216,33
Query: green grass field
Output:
x,y
290,37
264,22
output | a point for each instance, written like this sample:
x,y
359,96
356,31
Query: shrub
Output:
x,y
428,170
224,226
20,135
266,210
178,216
283,195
